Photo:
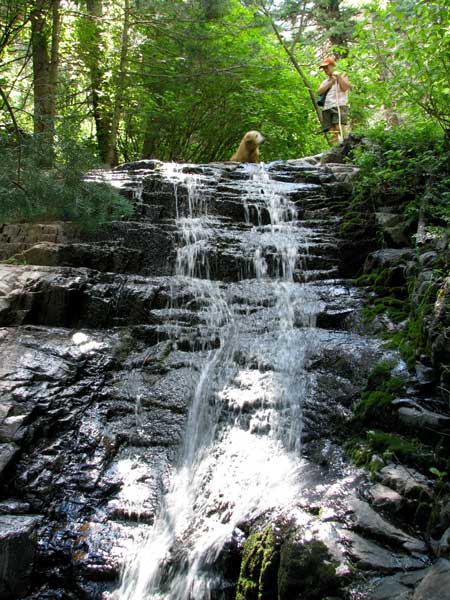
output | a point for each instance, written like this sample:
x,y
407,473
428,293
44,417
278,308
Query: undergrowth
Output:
x,y
31,191
407,168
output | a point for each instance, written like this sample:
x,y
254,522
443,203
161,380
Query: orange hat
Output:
x,y
327,62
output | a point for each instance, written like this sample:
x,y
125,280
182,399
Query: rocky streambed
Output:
x,y
195,372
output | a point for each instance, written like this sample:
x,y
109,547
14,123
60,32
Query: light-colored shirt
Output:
x,y
335,96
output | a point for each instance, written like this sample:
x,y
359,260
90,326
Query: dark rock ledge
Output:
x,y
94,397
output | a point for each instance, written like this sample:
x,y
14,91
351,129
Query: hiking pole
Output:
x,y
341,135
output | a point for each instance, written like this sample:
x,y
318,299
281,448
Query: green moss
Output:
x,y
394,445
124,348
380,374
381,391
395,386
389,446
362,455
296,570
396,309
15,260
259,567
372,404
165,353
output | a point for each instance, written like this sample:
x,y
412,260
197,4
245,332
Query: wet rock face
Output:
x,y
101,350
17,548
84,443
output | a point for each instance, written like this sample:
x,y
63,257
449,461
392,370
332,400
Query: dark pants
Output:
x,y
330,117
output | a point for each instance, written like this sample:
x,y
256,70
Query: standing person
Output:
x,y
335,109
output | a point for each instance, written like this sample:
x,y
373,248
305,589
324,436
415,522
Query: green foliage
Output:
x,y
327,24
401,167
391,447
196,75
373,403
440,475
404,49
60,193
230,77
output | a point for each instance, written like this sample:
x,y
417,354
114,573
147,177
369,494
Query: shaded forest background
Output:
x,y
99,82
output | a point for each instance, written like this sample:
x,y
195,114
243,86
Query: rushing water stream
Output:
x,y
240,455
178,391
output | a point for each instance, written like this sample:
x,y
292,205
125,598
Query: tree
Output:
x,y
45,24
334,21
264,7
119,86
92,49
406,51
326,25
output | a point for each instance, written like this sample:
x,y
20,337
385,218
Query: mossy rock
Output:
x,y
381,390
259,567
380,374
124,348
373,404
307,571
296,570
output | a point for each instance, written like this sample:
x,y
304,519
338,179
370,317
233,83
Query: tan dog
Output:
x,y
248,150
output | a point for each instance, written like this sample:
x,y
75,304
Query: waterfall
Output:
x,y
240,454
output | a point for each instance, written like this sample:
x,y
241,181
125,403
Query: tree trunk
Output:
x,y
41,68
54,66
45,69
120,87
94,61
333,21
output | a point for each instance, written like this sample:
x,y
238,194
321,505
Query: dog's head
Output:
x,y
253,139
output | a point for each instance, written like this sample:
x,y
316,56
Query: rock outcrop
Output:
x,y
101,346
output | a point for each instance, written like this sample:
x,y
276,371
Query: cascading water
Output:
x,y
240,456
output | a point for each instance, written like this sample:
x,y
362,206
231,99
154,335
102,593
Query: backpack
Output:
x,y
322,98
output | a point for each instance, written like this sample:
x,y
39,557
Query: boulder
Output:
x,y
443,547
342,152
12,428
307,570
371,556
368,520
7,453
17,550
105,258
426,376
405,481
139,165
427,259
259,567
394,228
397,587
12,506
436,583
386,258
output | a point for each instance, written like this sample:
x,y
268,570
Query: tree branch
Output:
x,y
17,132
